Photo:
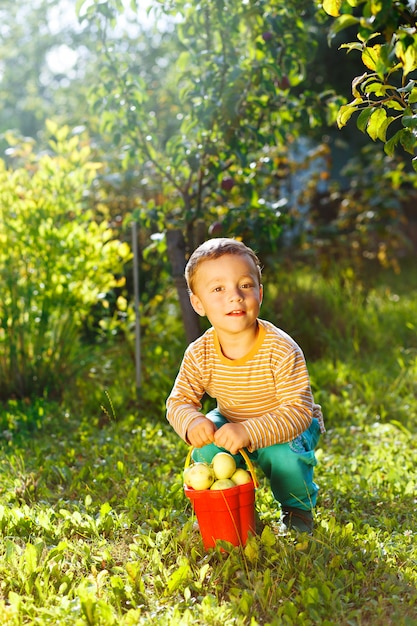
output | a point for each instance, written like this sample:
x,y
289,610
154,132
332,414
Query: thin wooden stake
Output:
x,y
136,301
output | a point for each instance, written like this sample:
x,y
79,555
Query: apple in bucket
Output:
x,y
222,483
199,476
224,465
241,476
221,473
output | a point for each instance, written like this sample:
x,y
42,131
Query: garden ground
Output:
x,y
96,529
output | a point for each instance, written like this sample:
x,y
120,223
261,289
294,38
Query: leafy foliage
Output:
x,y
368,220
207,136
385,95
45,67
56,262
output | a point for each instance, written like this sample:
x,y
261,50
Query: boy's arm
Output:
x,y
184,405
295,413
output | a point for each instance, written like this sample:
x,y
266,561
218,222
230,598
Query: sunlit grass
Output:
x,y
120,547
95,528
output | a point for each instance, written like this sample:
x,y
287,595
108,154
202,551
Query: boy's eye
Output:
x,y
217,288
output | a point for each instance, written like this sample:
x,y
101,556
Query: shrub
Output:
x,y
57,260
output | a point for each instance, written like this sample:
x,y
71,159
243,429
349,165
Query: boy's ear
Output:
x,y
197,305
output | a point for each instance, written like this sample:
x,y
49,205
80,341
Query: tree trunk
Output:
x,y
176,255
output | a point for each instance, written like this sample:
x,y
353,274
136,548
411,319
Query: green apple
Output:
x,y
223,483
241,476
199,476
185,474
224,465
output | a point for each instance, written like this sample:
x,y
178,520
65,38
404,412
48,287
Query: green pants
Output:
x,y
288,466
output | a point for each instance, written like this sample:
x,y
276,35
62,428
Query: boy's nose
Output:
x,y
235,294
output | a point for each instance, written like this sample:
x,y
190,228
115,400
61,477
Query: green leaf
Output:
x,y
268,538
371,56
345,114
401,426
343,22
394,104
89,606
379,89
409,121
251,550
383,61
363,118
382,134
376,127
105,509
245,602
351,46
30,559
203,571
412,99
357,81
408,57
179,576
408,140
332,7
10,550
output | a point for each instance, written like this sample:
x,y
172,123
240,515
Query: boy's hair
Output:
x,y
213,249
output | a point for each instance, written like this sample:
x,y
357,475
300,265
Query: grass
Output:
x,y
96,530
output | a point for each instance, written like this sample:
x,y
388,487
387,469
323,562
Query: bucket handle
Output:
x,y
243,452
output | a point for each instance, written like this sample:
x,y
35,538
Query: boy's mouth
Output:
x,y
236,313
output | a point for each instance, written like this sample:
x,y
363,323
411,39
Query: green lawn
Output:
x,y
96,529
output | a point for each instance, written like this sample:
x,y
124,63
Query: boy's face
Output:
x,y
228,292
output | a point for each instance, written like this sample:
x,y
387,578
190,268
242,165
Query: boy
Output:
x,y
256,373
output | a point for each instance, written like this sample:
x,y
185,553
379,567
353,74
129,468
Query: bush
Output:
x,y
56,262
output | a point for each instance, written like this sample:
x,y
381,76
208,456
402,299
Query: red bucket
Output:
x,y
226,514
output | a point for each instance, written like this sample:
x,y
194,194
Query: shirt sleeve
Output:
x,y
295,412
184,402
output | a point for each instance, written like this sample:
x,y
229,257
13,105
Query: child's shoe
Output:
x,y
298,519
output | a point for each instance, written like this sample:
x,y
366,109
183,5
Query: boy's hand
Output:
x,y
201,432
232,437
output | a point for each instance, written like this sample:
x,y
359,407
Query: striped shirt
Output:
x,y
268,390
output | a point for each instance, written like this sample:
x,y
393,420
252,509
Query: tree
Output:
x,y
210,135
45,67
385,95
